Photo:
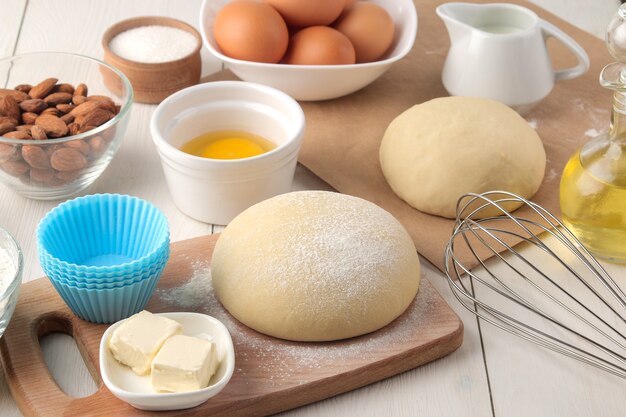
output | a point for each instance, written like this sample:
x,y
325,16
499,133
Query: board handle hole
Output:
x,y
63,358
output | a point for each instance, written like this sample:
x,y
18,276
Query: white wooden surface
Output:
x,y
492,374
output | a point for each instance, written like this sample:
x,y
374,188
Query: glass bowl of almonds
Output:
x,y
62,119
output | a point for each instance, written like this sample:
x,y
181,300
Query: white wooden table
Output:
x,y
492,374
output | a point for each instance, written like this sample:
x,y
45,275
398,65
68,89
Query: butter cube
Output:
x,y
135,342
184,363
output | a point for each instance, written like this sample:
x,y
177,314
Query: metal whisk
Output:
x,y
549,290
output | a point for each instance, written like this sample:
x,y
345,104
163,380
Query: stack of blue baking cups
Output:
x,y
104,254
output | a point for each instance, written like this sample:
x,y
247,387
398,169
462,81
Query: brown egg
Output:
x,y
319,45
251,31
370,29
302,13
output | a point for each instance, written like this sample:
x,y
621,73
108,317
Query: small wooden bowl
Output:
x,y
153,82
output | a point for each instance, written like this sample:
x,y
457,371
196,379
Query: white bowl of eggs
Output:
x,y
311,50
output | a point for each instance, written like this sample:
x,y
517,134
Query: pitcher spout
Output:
x,y
460,18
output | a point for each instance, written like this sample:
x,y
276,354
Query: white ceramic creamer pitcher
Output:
x,y
498,51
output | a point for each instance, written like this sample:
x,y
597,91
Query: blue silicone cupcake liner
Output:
x,y
108,305
120,281
51,267
61,277
102,234
112,274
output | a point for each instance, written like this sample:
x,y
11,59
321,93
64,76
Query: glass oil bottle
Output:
x,y
593,184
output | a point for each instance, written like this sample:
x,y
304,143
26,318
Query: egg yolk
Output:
x,y
227,145
232,148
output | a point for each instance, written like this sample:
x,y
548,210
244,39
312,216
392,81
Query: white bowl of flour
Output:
x,y
11,267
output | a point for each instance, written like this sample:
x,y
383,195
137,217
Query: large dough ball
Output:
x,y
436,151
315,266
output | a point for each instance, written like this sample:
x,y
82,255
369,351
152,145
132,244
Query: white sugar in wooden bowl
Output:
x,y
159,55
153,44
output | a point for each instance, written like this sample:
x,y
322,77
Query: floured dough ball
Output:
x,y
436,151
315,266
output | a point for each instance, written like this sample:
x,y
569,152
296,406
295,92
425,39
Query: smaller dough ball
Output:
x,y
370,29
319,45
315,266
303,13
435,152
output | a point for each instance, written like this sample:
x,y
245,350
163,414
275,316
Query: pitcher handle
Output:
x,y
583,59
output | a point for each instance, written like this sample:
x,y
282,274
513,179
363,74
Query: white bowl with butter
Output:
x,y
137,390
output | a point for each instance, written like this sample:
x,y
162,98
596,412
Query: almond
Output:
x,y
65,108
38,133
43,88
64,88
10,108
15,168
16,134
66,159
67,118
33,105
81,90
35,156
79,145
97,145
7,125
74,128
17,95
52,110
9,152
84,108
109,133
86,128
67,176
58,98
78,100
96,117
29,118
24,128
44,176
105,102
50,149
24,88
52,125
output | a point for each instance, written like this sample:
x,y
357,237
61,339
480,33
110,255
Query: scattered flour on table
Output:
x,y
259,355
592,133
533,123
7,270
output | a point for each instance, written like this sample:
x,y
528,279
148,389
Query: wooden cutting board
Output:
x,y
270,376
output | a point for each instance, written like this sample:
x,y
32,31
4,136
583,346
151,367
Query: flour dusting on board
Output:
x,y
598,116
294,360
592,133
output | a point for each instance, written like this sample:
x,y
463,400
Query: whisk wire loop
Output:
x,y
523,295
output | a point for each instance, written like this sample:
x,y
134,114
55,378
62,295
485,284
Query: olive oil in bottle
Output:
x,y
593,184
593,197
